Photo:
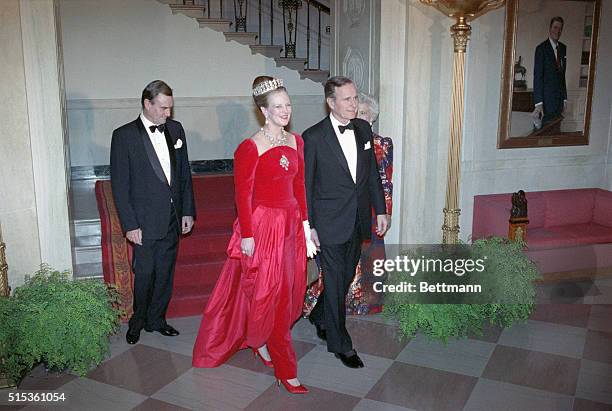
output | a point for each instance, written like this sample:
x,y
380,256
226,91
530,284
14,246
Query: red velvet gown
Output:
x,y
257,299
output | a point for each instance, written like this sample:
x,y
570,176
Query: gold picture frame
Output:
x,y
544,137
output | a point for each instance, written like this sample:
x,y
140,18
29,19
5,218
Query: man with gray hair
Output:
x,y
151,182
342,185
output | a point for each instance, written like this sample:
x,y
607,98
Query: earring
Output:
x,y
266,123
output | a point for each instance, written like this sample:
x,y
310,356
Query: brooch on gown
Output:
x,y
284,162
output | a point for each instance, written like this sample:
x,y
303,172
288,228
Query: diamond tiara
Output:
x,y
267,85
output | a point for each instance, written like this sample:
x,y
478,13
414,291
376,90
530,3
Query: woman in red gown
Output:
x,y
260,290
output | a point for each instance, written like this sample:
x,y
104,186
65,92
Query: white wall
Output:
x,y
113,48
33,178
416,103
421,113
486,169
609,152
18,213
391,121
214,125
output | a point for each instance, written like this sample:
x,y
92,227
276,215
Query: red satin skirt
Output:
x,y
257,299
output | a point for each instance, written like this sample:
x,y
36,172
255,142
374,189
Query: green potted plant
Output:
x,y
507,293
55,320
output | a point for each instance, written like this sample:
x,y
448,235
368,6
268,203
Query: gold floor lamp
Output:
x,y
463,11
4,292
4,288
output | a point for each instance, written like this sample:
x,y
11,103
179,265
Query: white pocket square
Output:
x,y
367,146
179,144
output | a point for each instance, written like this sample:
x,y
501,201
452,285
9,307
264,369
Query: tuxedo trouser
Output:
x,y
338,262
153,266
550,116
553,109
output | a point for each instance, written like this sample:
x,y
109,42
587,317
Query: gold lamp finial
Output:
x,y
463,11
468,9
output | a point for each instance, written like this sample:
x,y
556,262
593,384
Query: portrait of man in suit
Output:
x,y
549,85
342,186
152,189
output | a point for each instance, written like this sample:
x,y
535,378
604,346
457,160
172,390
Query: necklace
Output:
x,y
274,141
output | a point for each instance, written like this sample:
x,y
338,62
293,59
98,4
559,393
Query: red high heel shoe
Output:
x,y
265,362
300,389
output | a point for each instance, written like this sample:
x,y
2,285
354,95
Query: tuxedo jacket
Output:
x,y
334,200
549,84
143,197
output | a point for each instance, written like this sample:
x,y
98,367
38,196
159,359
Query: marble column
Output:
x,y
415,58
391,121
34,183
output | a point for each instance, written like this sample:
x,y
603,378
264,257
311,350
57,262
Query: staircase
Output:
x,y
202,253
291,41
85,228
292,29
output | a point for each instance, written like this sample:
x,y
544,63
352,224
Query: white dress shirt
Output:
x,y
555,47
348,144
159,144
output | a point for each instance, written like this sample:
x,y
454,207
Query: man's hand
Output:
x,y
247,245
538,115
135,236
538,112
187,223
382,225
315,238
388,222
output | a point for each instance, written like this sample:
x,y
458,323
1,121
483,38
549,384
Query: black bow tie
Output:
x,y
160,127
349,126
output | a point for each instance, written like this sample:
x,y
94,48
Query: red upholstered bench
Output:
x,y
569,233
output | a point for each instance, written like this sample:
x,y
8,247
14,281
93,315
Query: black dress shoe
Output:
x,y
351,361
132,336
321,332
166,330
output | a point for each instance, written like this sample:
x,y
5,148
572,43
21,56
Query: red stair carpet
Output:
x,y
201,253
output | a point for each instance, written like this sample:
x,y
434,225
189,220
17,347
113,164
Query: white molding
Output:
x,y
180,102
535,162
214,125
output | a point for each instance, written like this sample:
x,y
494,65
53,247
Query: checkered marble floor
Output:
x,y
560,359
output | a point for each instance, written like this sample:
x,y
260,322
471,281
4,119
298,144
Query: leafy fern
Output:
x,y
58,321
509,274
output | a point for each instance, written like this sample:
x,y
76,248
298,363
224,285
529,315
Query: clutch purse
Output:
x,y
315,285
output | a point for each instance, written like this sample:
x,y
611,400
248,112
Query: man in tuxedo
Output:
x,y
549,87
151,182
342,185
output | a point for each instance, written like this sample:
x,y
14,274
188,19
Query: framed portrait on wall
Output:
x,y
548,72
